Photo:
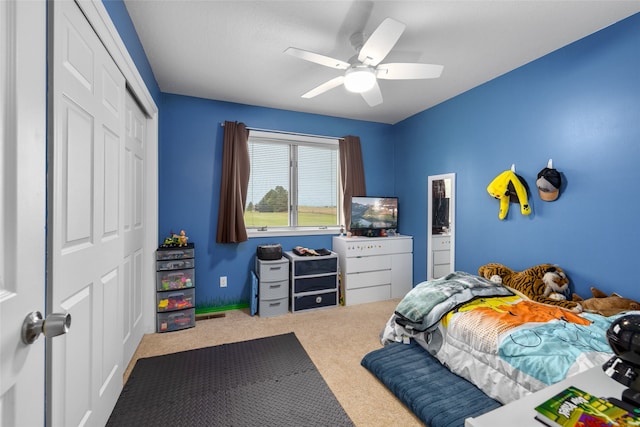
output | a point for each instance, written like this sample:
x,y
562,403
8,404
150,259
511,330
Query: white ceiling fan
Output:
x,y
363,69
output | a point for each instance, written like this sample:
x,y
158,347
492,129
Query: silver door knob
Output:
x,y
34,324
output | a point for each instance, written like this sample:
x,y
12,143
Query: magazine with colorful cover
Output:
x,y
576,408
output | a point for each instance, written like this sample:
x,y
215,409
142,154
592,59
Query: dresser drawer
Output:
x,y
441,270
441,242
274,290
319,300
400,246
273,307
310,284
364,280
272,271
441,257
368,263
371,294
308,266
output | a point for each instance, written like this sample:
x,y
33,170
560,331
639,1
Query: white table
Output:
x,y
521,412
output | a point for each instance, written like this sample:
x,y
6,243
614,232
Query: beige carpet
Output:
x,y
336,339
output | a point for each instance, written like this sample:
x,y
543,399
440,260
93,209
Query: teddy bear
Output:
x,y
606,305
544,283
182,239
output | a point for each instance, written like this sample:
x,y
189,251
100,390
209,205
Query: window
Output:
x,y
294,183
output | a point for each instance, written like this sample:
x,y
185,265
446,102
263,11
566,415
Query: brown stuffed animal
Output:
x,y
542,283
606,305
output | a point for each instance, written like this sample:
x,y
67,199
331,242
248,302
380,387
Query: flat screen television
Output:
x,y
373,216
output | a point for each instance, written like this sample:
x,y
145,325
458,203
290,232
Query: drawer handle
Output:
x,y
275,268
275,286
274,304
318,299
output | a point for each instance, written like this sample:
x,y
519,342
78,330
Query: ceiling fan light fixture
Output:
x,y
359,79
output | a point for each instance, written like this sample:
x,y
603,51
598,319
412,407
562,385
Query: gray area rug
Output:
x,y
264,382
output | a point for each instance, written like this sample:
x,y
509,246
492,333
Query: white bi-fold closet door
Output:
x,y
96,227
78,207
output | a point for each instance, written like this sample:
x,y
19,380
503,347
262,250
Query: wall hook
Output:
x,y
550,164
513,167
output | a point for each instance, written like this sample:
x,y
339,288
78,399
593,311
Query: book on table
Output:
x,y
573,407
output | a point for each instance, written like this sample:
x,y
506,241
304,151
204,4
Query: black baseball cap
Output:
x,y
548,183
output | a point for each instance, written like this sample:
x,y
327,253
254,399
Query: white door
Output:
x,y
85,225
22,207
134,227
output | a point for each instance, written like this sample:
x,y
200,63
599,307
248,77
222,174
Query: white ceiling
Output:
x,y
233,50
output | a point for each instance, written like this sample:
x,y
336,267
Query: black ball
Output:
x,y
624,338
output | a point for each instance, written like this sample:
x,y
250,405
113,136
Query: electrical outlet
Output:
x,y
223,281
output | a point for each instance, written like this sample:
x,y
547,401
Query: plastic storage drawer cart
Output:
x,y
273,287
175,288
314,281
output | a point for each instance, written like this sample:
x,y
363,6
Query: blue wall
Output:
x,y
579,106
191,140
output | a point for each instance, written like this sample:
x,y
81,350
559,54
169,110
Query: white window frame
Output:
x,y
295,140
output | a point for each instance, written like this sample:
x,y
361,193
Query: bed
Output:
x,y
506,345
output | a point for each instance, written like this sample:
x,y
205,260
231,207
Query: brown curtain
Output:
x,y
351,172
234,184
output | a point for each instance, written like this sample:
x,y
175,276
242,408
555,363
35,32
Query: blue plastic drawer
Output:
x,y
310,284
315,265
310,302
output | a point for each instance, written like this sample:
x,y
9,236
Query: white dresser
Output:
x,y
375,268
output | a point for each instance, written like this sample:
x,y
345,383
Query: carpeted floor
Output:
x,y
262,382
336,340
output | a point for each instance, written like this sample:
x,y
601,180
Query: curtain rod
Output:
x,y
291,133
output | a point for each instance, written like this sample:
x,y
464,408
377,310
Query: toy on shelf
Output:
x,y
174,303
176,240
177,280
182,239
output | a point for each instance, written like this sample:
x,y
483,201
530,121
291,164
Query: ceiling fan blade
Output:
x,y
324,87
373,96
317,58
380,43
405,71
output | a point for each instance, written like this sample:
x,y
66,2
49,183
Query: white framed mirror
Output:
x,y
441,203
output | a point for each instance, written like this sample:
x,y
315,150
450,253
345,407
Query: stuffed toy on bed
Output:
x,y
544,283
606,305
